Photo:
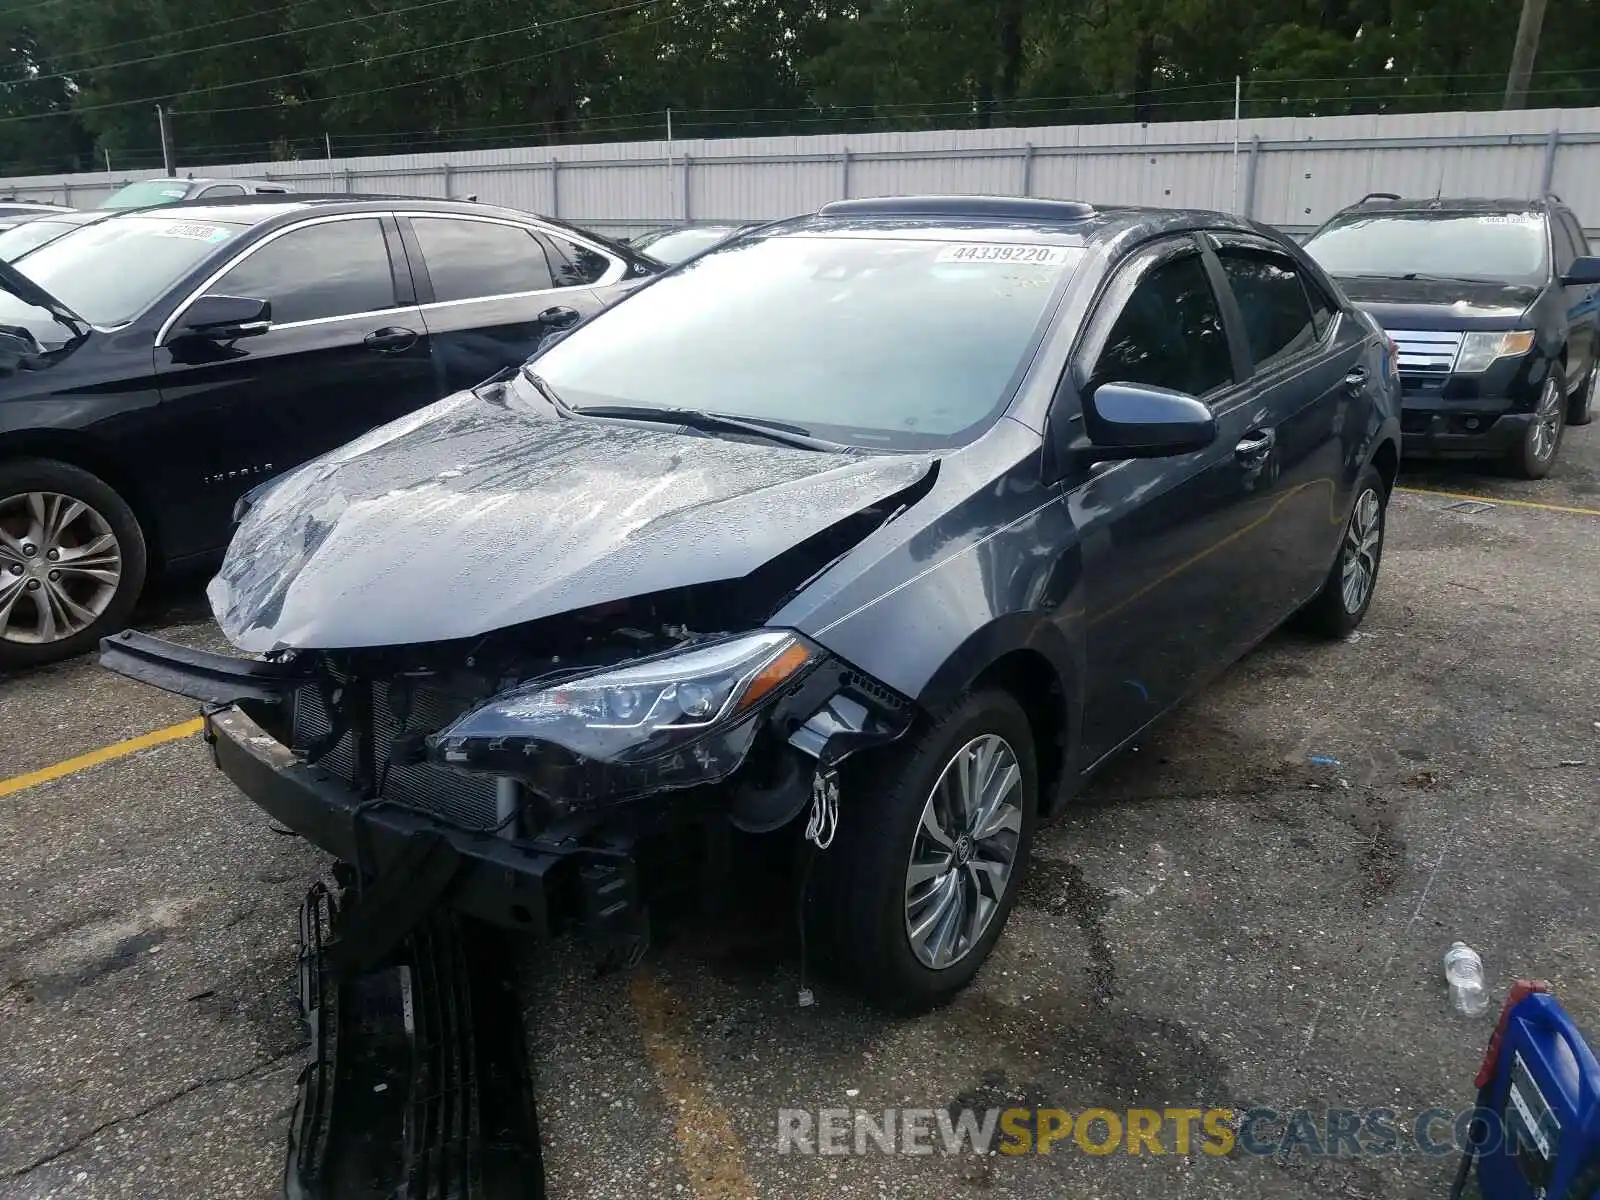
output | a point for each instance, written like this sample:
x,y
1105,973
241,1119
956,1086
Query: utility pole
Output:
x,y
1523,53
166,141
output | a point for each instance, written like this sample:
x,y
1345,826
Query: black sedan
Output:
x,y
156,364
878,529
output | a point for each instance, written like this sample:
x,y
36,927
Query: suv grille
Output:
x,y
1426,357
467,800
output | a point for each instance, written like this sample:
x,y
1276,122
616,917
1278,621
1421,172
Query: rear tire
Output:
x,y
889,904
1580,405
72,562
1535,454
1341,605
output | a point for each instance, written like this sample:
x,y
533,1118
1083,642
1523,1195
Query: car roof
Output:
x,y
1053,222
282,209
1452,204
255,210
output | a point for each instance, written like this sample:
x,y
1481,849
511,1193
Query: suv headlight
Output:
x,y
666,707
1480,350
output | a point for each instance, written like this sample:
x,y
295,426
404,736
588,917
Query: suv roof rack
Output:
x,y
998,207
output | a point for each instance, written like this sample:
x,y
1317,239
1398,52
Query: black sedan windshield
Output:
x,y
1504,247
111,271
876,340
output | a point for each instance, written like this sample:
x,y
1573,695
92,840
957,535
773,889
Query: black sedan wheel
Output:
x,y
1580,405
1347,592
72,561
932,844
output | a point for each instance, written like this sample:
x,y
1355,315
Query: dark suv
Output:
x,y
879,528
1493,306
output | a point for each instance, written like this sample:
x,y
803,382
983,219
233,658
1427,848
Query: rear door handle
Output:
x,y
1256,443
1356,377
391,339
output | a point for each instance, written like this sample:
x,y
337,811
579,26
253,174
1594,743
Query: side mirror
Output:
x,y
1582,272
1133,420
224,318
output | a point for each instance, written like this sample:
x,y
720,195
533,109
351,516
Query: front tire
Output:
x,y
932,843
1535,454
72,562
1347,593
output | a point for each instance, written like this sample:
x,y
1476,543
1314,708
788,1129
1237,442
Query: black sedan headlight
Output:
x,y
675,720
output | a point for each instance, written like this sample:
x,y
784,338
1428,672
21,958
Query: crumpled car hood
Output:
x,y
470,516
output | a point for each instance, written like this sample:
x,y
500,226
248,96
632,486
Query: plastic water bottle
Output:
x,y
1464,971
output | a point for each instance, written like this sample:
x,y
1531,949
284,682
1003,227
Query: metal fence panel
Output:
x,y
1289,171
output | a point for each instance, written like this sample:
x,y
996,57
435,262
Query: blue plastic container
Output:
x,y
1545,1093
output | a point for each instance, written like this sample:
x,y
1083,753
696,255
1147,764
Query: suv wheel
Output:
x,y
931,847
1535,454
1346,594
72,562
1580,405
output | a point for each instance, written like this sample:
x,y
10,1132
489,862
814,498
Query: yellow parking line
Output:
x,y
95,757
1560,508
710,1150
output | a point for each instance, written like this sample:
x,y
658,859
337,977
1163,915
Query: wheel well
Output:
x,y
1387,460
79,452
1032,680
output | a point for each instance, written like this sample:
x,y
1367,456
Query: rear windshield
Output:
x,y
14,243
1496,247
111,271
149,191
884,341
679,244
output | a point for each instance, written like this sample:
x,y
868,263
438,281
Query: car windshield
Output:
x,y
1503,247
887,341
148,191
676,245
16,242
111,271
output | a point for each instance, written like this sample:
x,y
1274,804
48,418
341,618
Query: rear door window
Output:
x,y
1169,334
471,260
334,269
1278,321
575,264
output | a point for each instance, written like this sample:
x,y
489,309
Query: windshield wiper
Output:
x,y
709,422
544,389
1424,275
29,292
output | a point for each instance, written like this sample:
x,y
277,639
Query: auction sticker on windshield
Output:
x,y
985,252
198,233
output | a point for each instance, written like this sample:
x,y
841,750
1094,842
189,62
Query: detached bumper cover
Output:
x,y
499,880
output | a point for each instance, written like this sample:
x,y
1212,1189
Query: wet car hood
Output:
x,y
1440,304
470,516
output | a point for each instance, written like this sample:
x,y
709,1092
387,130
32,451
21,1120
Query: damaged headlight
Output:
x,y
666,711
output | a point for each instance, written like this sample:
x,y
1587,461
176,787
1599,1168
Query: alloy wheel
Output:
x,y
1362,544
1546,429
60,567
964,851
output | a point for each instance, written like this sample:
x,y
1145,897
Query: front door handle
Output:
x,y
391,339
1356,377
1256,443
